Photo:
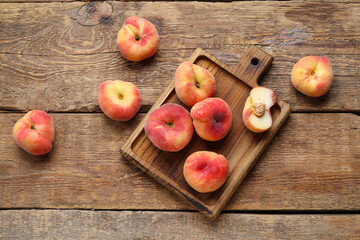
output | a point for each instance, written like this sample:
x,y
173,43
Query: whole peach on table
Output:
x,y
312,76
169,127
193,83
256,114
212,118
137,39
35,132
206,171
119,100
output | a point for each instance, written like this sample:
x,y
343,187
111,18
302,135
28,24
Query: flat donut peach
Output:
x,y
212,118
169,127
206,171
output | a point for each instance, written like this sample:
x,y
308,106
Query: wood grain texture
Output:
x,y
55,224
311,164
47,1
65,58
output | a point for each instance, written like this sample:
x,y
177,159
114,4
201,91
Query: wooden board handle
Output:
x,y
252,65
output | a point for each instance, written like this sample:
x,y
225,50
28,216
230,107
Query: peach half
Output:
x,y
256,113
35,132
206,171
169,127
193,83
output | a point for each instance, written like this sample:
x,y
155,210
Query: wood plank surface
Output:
x,y
230,1
66,57
311,164
56,224
53,56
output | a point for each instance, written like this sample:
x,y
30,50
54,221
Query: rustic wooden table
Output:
x,y
54,55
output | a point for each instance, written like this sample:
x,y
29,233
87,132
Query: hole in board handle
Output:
x,y
255,61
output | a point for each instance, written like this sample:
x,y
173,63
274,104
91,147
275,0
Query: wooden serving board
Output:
x,y
241,147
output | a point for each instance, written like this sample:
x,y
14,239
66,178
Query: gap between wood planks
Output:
x,y
213,1
269,212
61,1
163,50
144,109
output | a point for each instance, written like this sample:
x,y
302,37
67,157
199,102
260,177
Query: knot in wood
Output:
x,y
93,13
259,109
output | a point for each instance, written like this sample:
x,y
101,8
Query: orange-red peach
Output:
x,y
169,127
206,171
35,132
137,39
119,100
212,118
256,114
312,76
193,83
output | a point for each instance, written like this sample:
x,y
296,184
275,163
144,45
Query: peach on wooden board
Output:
x,y
212,118
206,171
169,127
312,76
137,39
193,83
35,132
119,100
256,114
